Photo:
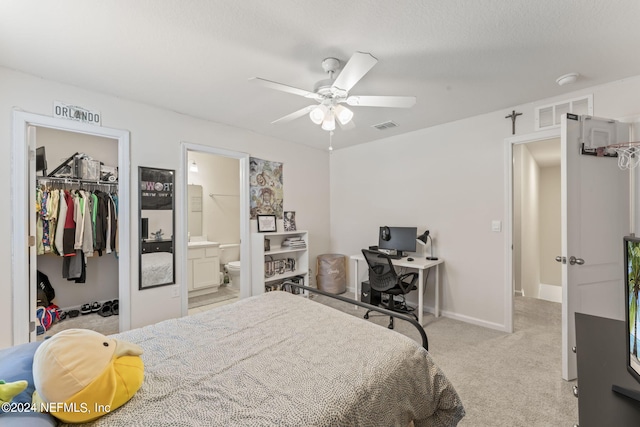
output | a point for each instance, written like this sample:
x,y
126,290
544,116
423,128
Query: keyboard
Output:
x,y
390,256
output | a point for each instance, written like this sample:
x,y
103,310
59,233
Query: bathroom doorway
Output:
x,y
216,227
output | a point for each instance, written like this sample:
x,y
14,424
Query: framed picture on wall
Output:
x,y
266,223
289,221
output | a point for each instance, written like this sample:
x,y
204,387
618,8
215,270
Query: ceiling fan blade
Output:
x,y
284,88
294,115
348,126
382,101
358,65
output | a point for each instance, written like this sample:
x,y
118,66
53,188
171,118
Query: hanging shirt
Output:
x,y
39,225
78,206
68,237
109,215
46,241
87,236
62,216
52,214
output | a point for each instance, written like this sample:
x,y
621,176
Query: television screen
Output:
x,y
632,291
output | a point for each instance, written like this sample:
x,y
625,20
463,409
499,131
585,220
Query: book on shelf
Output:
x,y
294,242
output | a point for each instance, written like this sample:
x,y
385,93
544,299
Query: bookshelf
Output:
x,y
285,256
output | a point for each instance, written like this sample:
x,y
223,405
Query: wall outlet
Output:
x,y
496,226
175,291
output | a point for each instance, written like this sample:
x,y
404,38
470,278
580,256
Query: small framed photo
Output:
x,y
266,223
289,221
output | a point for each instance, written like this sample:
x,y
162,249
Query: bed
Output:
x,y
157,268
274,359
280,359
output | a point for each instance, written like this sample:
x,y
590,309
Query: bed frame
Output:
x,y
423,334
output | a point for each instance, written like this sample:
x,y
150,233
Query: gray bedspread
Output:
x,y
283,360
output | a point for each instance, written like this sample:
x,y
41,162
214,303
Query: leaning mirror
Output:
x,y
157,261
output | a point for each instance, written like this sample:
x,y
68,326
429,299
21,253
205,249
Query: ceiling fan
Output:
x,y
331,93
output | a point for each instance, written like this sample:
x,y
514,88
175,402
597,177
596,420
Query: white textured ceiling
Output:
x,y
459,58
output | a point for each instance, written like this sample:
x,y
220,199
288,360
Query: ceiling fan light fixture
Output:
x,y
329,122
344,114
318,114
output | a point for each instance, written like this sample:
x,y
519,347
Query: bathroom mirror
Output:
x,y
156,204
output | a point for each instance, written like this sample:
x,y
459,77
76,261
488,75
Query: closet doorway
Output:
x,y
215,221
84,280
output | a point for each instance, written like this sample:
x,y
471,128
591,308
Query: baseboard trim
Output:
x,y
456,316
551,293
474,321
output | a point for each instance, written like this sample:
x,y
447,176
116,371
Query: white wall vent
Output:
x,y
548,116
385,125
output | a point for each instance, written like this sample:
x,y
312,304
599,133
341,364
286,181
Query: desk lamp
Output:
x,y
423,241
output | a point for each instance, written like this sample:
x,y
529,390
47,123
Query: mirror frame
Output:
x,y
158,179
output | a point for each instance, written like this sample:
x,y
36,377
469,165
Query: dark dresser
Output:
x,y
601,355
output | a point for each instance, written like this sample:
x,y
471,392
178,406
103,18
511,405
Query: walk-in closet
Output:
x,y
76,217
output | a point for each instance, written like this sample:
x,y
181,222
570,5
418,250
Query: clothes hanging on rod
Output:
x,y
75,219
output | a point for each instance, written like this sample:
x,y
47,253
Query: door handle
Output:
x,y
561,259
573,260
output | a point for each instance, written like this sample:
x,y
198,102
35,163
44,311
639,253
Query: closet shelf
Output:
x,y
62,180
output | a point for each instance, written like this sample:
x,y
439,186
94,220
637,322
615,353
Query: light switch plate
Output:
x,y
496,226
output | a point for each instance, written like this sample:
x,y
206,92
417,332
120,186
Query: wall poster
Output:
x,y
265,187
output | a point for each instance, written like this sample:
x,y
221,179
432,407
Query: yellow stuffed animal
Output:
x,y
10,390
81,375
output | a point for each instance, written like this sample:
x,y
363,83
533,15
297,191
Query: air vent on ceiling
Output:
x,y
385,125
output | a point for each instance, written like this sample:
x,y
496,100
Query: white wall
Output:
x,y
517,218
550,226
530,225
155,141
451,179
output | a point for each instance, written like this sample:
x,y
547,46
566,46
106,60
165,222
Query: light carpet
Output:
x,y
95,322
503,379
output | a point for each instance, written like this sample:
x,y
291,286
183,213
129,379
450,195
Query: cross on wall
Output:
x,y
513,117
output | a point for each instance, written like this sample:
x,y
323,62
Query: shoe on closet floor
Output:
x,y
73,313
105,311
85,309
115,307
95,307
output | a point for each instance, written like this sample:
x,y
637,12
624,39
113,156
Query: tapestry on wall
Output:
x,y
265,186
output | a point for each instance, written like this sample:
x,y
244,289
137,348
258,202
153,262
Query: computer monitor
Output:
x,y
400,239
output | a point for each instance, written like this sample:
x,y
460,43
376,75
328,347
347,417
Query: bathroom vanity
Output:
x,y
203,267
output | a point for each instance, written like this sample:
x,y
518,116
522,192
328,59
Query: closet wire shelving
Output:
x,y
71,182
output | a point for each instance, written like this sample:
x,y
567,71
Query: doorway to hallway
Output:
x,y
537,219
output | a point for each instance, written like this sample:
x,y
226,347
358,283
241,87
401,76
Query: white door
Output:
x,y
595,217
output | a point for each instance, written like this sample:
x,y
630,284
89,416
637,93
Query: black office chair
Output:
x,y
384,279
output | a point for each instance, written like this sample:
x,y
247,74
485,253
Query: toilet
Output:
x,y
230,260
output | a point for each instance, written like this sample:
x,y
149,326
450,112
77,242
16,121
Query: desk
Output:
x,y
419,263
